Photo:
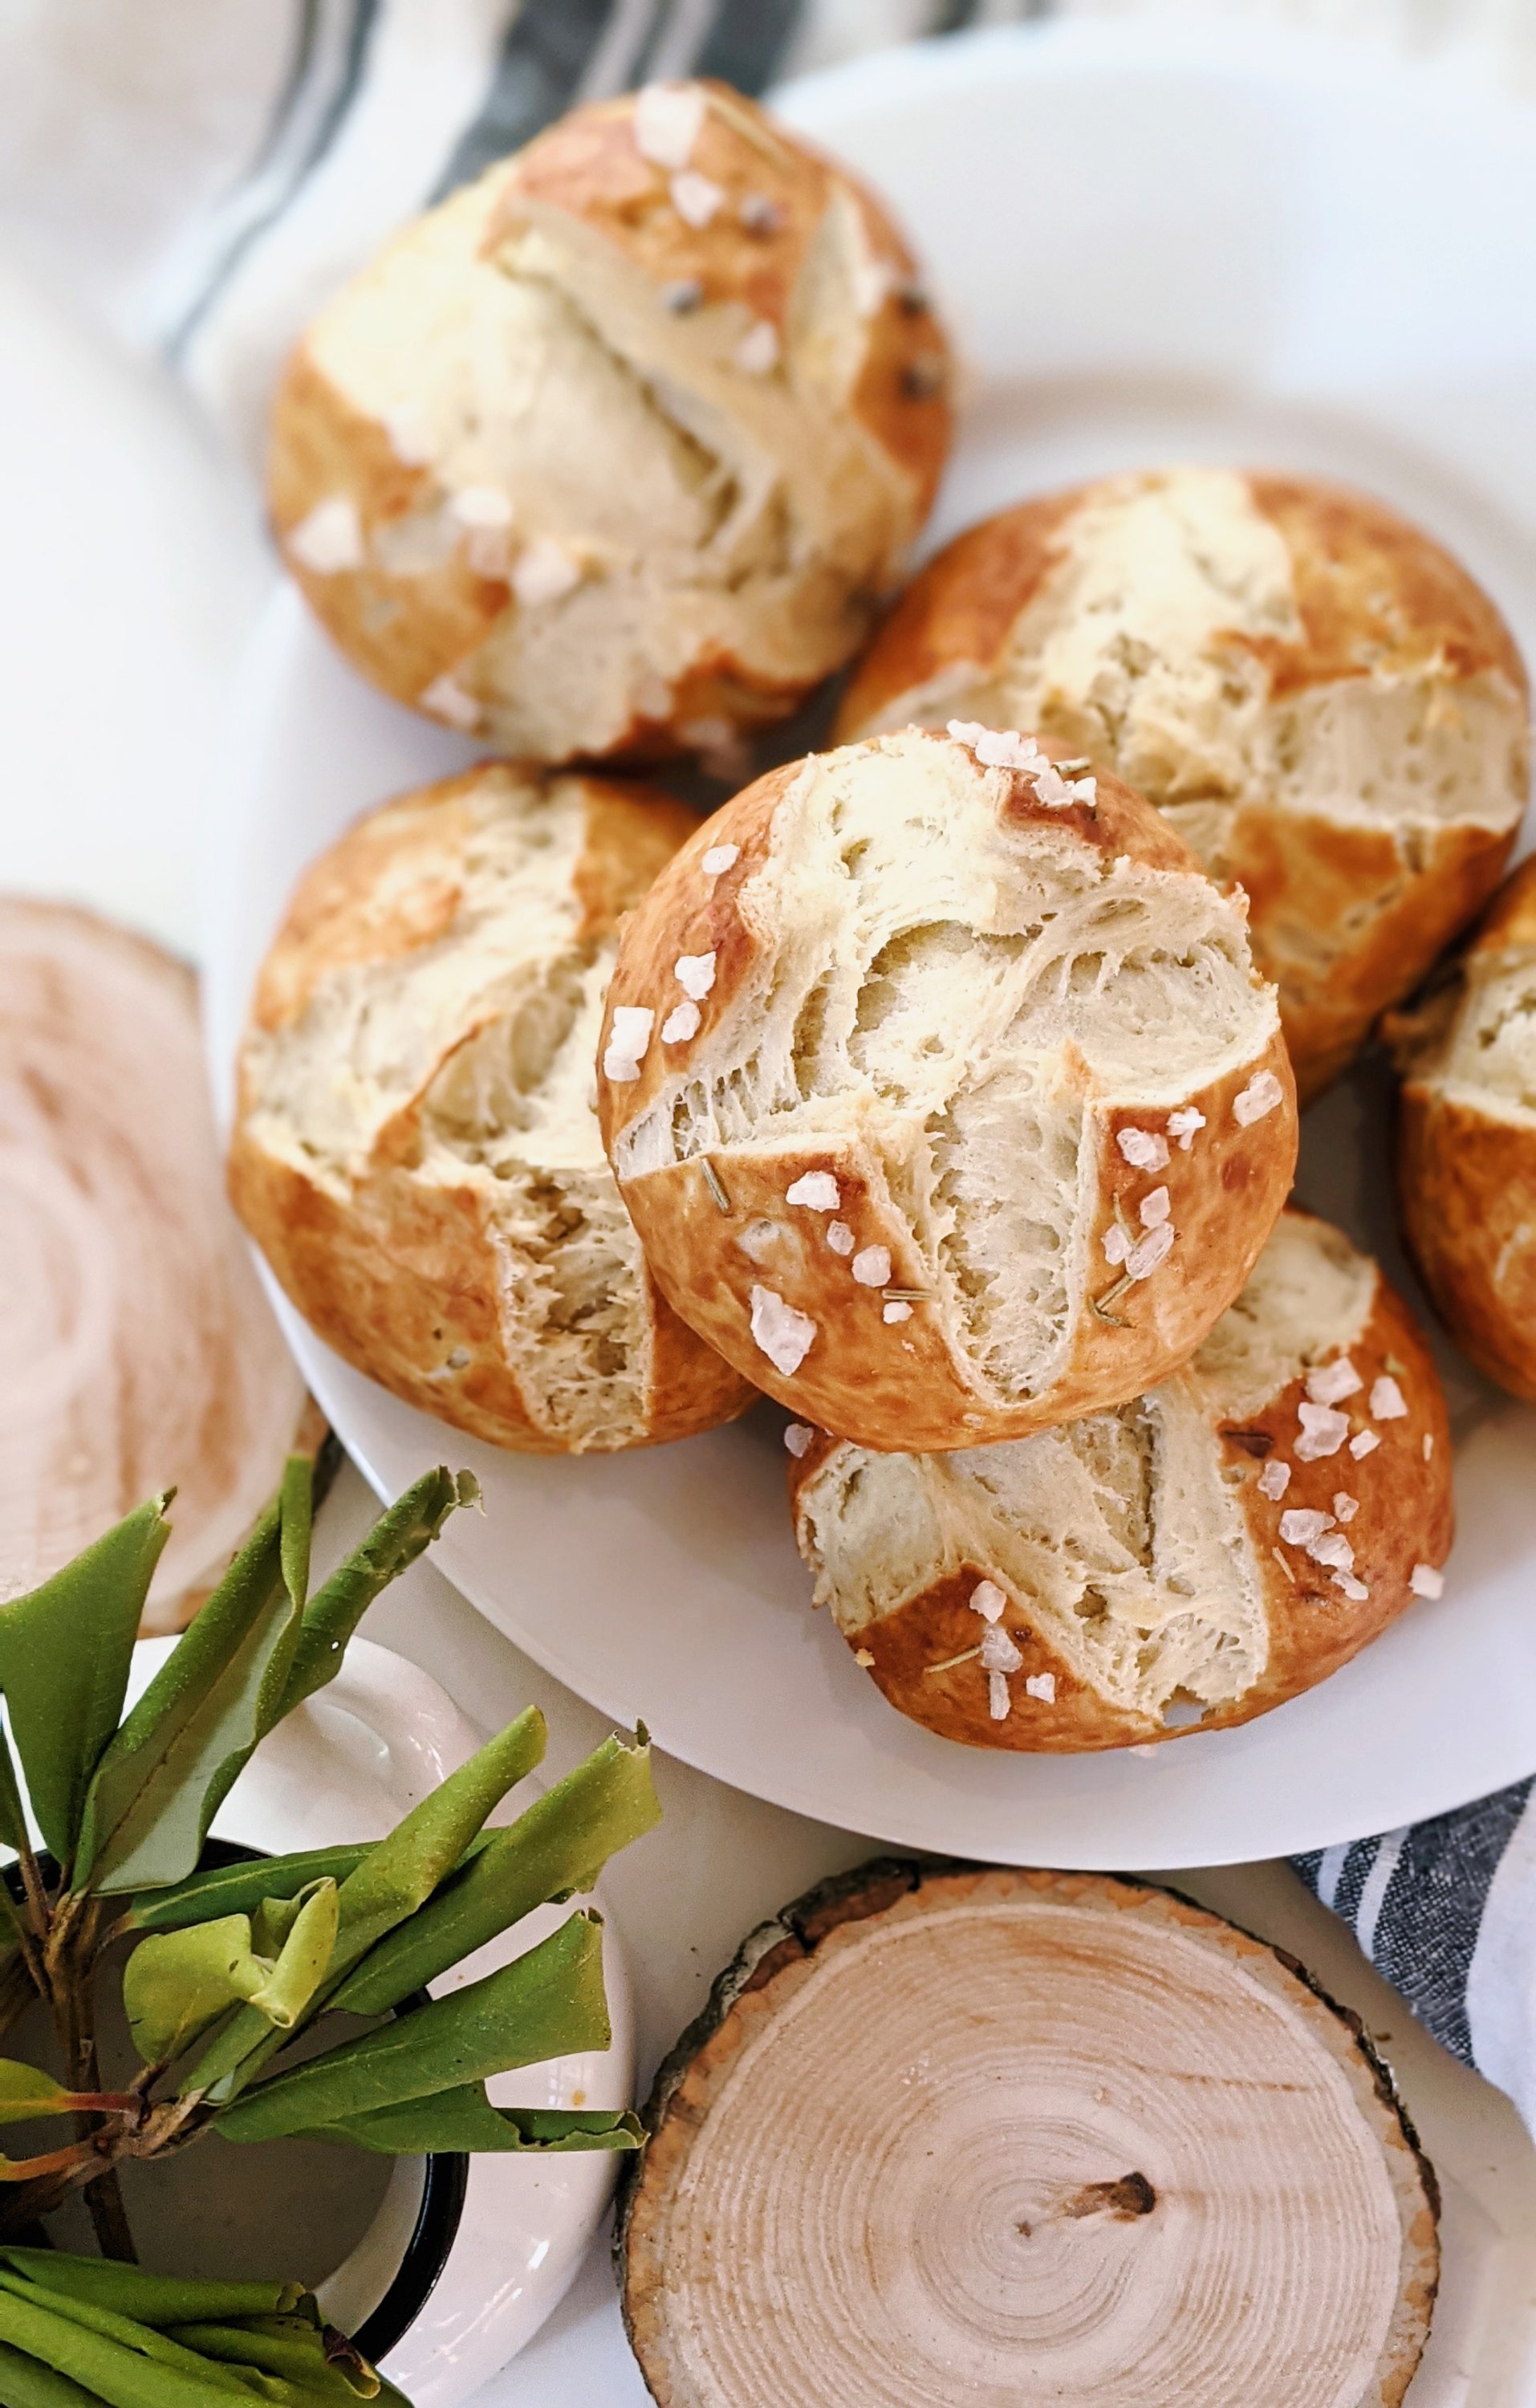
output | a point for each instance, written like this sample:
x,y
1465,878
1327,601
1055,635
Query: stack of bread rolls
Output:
x,y
942,1085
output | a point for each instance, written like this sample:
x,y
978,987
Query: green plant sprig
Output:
x,y
229,1965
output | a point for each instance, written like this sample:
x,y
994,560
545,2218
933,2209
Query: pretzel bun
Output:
x,y
1322,701
617,449
1144,1577
415,1149
1467,1140
944,1110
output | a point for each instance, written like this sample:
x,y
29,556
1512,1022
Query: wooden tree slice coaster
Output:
x,y
949,2134
136,1349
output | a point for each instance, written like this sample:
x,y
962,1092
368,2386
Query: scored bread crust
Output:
x,y
1466,1150
905,1383
826,458
1348,907
1311,1626
397,1251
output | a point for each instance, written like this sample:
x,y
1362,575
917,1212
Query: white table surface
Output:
x,y
134,567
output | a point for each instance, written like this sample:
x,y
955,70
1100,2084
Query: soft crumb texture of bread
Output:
x,y
417,1148
1148,1571
601,454
1467,1138
1322,701
944,998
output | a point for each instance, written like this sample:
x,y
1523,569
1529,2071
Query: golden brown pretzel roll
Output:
x,y
1321,699
942,1091
415,1149
1467,1140
617,449
1191,1560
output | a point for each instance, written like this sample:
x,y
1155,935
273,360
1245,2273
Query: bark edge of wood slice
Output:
x,y
953,2131
137,1351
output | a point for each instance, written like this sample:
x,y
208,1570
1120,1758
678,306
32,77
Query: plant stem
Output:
x,y
32,1884
110,2217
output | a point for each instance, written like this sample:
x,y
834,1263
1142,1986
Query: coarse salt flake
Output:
x,y
627,1040
1275,1479
1153,1210
695,974
1041,1685
1387,1401
797,1437
1345,1505
897,1311
1302,1526
1150,1251
1333,1550
840,1238
667,122
719,858
1331,1383
1118,1242
1000,1705
779,1331
481,506
871,1266
757,353
543,571
998,1651
998,748
1353,1588
987,1599
862,1655
696,198
1324,1431
1261,1095
330,539
1428,1447
815,1189
445,698
1426,1582
1364,1442
681,1023
1143,1149
1184,1124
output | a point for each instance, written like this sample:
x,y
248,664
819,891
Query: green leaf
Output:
x,y
303,1962
151,2298
400,1873
296,1515
173,1762
176,1983
393,1879
25,2093
26,2383
558,1846
240,1890
465,2119
126,2372
545,2004
64,1653
401,1533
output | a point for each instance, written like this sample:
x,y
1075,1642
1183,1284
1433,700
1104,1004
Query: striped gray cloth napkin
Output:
x,y
208,171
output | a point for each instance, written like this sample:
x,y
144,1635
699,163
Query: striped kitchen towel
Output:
x,y
1446,1913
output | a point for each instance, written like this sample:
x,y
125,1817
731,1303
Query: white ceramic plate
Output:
x,y
1153,246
